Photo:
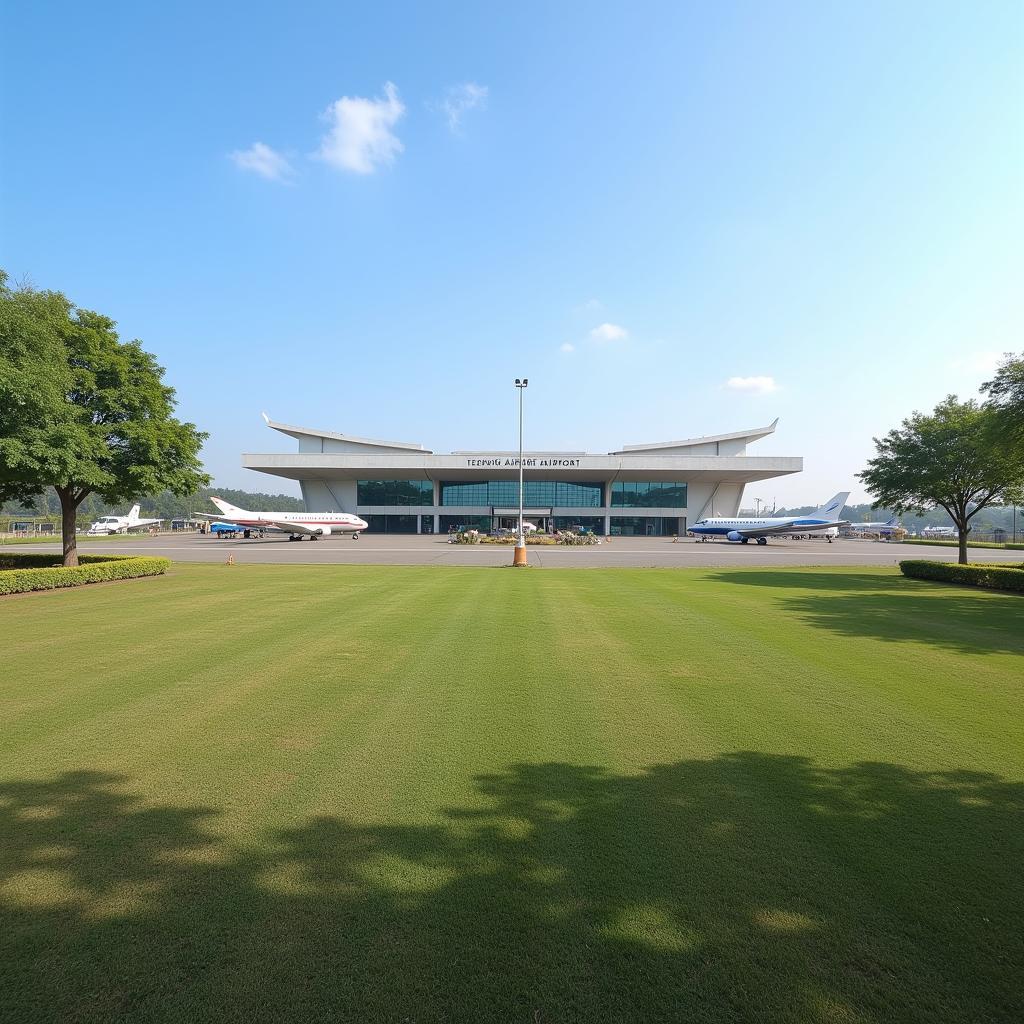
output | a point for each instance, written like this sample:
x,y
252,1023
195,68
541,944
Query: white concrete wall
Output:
x,y
736,446
329,496
330,445
726,503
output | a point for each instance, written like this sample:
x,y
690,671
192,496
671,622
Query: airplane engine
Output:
x,y
734,535
325,531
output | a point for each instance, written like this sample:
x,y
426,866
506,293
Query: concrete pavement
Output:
x,y
655,552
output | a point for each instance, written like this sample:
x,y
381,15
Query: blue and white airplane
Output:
x,y
760,529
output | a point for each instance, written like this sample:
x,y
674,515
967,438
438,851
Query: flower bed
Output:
x,y
532,539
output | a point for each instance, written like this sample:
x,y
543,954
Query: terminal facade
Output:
x,y
650,490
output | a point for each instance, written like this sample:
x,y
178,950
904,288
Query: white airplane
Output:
x,y
939,531
121,524
760,529
887,527
297,525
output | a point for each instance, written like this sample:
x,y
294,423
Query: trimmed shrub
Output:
x,y
21,573
1008,576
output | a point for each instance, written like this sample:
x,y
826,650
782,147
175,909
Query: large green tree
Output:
x,y
83,412
1006,397
953,458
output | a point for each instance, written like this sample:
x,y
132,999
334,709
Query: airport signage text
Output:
x,y
501,461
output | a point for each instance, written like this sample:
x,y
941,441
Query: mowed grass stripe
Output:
x,y
267,793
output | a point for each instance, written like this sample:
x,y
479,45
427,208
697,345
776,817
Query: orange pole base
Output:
x,y
519,556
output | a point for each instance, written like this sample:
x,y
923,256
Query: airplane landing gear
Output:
x,y
744,540
355,536
291,536
762,540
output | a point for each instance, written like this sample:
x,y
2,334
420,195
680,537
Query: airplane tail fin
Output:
x,y
895,521
833,508
227,508
134,513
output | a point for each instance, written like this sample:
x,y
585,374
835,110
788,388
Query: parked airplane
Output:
x,y
760,529
121,524
296,524
887,527
939,531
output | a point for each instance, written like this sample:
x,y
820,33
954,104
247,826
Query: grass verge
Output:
x,y
269,793
970,544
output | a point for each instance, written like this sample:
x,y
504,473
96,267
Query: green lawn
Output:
x,y
471,795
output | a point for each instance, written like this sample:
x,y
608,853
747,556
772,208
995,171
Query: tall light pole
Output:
x,y
519,558
757,506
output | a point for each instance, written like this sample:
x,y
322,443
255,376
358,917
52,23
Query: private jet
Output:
x,y
889,526
741,531
121,524
297,525
939,531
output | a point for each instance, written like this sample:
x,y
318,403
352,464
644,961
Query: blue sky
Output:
x,y
631,204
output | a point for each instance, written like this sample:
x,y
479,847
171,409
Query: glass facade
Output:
x,y
482,523
391,524
395,492
505,493
593,524
655,494
645,526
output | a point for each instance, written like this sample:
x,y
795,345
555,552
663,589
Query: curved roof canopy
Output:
x,y
300,432
693,442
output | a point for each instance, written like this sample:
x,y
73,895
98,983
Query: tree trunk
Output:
x,y
69,502
963,528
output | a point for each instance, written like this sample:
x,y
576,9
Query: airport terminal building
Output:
x,y
649,490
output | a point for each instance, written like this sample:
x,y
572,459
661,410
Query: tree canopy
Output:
x,y
83,412
954,458
1006,397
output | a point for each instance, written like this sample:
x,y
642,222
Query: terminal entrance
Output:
x,y
512,522
508,518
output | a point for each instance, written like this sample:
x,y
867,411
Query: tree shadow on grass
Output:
x,y
896,608
747,887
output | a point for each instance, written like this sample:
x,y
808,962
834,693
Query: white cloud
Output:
x,y
568,347
459,100
360,138
752,385
609,332
264,161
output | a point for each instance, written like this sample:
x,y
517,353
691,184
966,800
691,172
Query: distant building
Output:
x,y
642,490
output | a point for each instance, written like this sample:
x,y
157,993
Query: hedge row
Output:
x,y
20,573
1008,576
970,543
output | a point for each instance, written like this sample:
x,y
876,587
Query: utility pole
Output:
x,y
519,558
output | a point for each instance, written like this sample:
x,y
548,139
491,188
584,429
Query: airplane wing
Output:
x,y
784,528
145,524
293,527
762,531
